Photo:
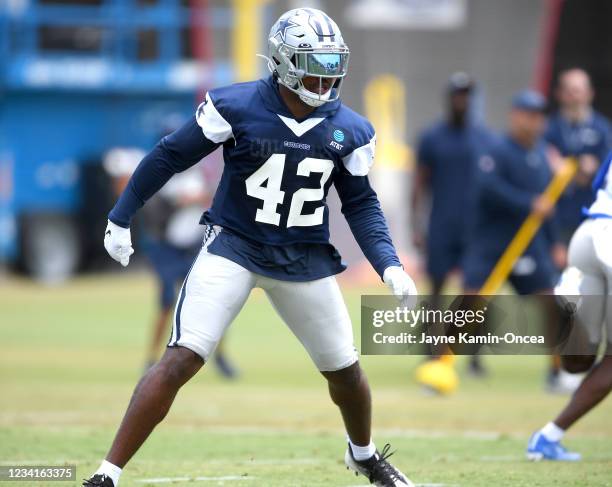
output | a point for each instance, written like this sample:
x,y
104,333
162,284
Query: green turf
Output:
x,y
71,355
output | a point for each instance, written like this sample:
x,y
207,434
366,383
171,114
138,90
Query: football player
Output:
x,y
588,279
286,140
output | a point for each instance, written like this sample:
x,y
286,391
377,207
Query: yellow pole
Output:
x,y
385,104
527,231
246,37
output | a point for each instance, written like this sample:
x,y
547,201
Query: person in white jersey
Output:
x,y
588,281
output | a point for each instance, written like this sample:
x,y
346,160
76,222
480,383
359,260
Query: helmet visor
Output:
x,y
323,63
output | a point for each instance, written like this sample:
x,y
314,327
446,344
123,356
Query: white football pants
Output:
x,y
216,289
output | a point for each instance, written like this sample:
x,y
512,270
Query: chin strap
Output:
x,y
311,102
314,102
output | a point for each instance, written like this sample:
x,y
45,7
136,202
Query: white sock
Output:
x,y
110,470
362,452
552,432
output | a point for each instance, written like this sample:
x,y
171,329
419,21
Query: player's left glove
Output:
x,y
401,285
118,243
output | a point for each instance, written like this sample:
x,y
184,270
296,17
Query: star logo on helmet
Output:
x,y
283,26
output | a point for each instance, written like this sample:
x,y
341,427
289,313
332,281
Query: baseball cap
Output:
x,y
529,100
460,81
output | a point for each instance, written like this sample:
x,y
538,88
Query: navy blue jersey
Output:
x,y
592,137
277,173
509,178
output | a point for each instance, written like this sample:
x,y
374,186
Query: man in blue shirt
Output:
x,y
447,155
511,180
577,130
286,139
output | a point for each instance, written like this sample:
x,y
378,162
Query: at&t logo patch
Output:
x,y
338,136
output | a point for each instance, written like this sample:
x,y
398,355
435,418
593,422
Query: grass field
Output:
x,y
70,357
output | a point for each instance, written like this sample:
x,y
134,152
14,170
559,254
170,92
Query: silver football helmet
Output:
x,y
307,42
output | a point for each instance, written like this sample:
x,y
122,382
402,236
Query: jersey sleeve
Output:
x,y
173,154
362,211
359,161
603,174
360,205
214,125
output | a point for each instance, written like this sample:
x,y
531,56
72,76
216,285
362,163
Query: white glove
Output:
x,y
401,285
118,243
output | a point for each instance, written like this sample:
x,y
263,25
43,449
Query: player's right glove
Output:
x,y
401,285
118,243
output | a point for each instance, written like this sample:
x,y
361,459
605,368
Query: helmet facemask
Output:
x,y
291,65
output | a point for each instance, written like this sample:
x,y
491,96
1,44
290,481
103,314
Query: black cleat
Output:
x,y
98,480
377,469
